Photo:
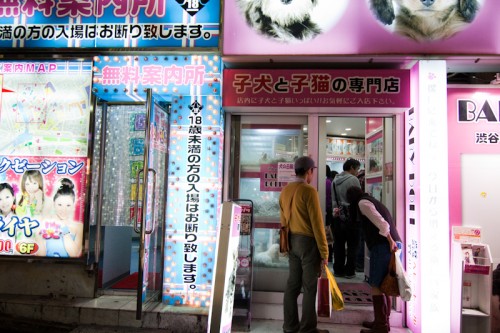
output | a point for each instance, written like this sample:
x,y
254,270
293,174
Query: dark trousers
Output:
x,y
304,267
345,248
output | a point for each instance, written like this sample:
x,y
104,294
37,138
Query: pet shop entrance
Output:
x,y
128,211
260,143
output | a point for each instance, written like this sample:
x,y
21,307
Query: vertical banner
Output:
x,y
226,257
434,219
44,123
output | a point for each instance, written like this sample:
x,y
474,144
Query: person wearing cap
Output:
x,y
299,201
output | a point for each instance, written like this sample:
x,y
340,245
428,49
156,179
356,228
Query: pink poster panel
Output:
x,y
345,27
42,203
473,119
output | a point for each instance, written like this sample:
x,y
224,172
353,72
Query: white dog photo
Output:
x,y
291,20
425,20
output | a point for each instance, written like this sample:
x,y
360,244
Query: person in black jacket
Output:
x,y
380,236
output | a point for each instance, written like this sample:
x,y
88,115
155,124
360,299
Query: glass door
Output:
x,y
129,182
149,223
259,145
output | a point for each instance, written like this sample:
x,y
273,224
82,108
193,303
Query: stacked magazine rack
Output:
x,y
472,286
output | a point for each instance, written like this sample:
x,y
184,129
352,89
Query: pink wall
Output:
x,y
462,136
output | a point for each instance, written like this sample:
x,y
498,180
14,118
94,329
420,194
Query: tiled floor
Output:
x,y
92,315
274,326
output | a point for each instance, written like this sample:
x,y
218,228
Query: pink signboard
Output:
x,y
473,118
340,27
328,88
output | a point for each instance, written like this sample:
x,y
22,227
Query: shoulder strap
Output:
x,y
291,201
336,196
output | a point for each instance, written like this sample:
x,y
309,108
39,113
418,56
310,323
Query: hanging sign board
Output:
x,y
316,88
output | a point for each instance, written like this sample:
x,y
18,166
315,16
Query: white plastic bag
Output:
x,y
403,284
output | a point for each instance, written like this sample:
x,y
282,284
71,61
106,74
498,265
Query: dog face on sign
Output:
x,y
423,20
427,8
282,20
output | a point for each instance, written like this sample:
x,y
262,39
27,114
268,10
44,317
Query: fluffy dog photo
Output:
x,y
290,20
426,20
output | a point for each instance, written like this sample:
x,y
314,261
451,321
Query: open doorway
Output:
x,y
369,141
129,196
260,143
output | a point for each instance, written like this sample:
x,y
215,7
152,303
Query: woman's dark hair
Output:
x,y
354,194
7,186
66,188
328,172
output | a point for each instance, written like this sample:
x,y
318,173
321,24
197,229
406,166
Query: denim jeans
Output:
x,y
304,268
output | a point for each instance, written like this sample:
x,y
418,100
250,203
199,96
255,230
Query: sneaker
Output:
x,y
338,274
350,276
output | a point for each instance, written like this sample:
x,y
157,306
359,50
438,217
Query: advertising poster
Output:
x,y
109,24
44,124
343,27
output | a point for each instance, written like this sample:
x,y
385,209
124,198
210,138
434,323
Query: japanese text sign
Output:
x,y
106,23
125,78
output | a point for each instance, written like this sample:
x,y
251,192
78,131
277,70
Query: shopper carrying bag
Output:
x,y
381,236
300,210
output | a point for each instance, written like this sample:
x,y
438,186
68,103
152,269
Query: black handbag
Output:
x,y
342,216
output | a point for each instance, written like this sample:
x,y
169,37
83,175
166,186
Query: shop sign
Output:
x,y
43,157
125,78
317,88
478,112
473,119
109,24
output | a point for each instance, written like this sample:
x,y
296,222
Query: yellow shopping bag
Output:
x,y
337,298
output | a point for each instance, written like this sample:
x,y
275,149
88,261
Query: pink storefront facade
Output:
x,y
435,123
